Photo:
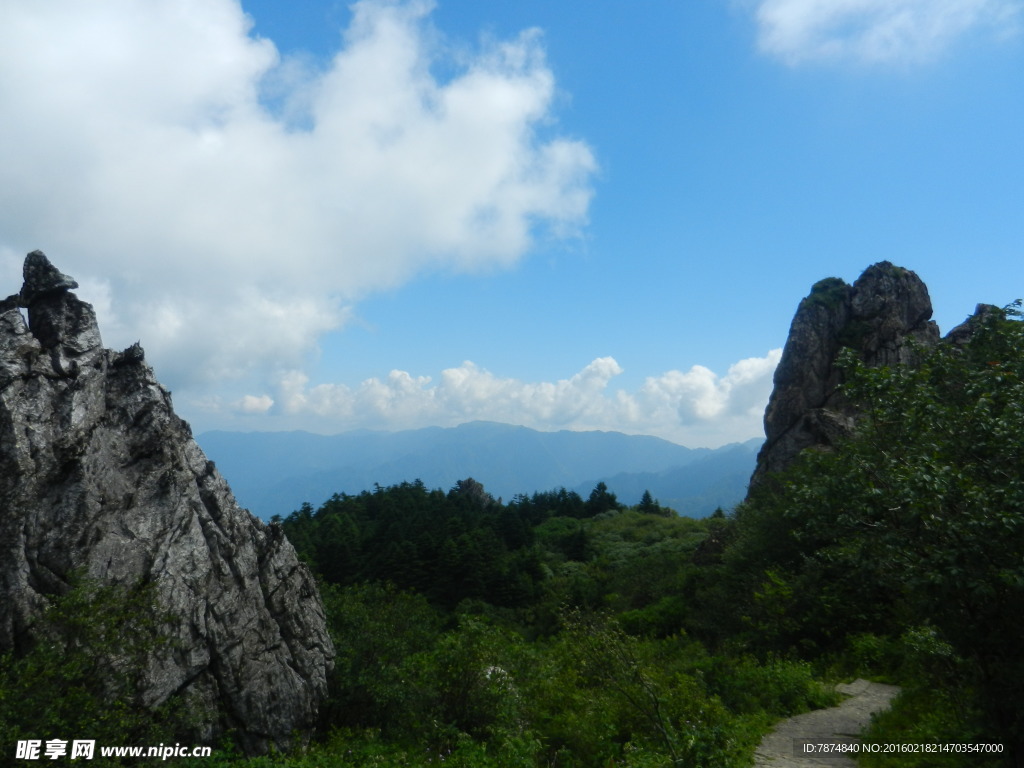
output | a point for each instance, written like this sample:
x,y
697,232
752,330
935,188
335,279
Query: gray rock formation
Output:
x,y
881,316
99,476
961,335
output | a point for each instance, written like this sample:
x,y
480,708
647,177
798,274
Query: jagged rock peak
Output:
x,y
882,316
64,325
99,476
42,278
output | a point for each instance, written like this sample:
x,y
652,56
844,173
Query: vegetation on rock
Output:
x,y
554,630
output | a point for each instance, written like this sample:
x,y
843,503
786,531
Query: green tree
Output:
x,y
375,629
601,500
648,505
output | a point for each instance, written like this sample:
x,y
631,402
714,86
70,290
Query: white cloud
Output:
x,y
696,407
254,404
228,235
876,31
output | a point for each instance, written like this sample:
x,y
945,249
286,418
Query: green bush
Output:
x,y
929,715
776,687
84,670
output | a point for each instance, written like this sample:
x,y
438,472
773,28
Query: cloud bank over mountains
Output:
x,y
228,206
877,31
696,407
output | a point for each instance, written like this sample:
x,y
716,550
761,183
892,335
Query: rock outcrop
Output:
x,y
98,476
882,316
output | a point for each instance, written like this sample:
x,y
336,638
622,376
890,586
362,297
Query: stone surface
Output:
x,y
882,316
98,475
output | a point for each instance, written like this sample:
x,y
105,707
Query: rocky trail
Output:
x,y
842,722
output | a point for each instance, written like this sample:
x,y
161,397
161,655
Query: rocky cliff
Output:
x,y
881,317
99,476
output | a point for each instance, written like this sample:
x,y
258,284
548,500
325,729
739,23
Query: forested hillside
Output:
x,y
561,630
272,473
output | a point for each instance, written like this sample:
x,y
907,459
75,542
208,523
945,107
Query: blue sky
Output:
x,y
593,215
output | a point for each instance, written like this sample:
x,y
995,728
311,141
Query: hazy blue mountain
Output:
x,y
718,479
275,472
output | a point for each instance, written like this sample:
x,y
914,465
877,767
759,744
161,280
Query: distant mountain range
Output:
x,y
275,472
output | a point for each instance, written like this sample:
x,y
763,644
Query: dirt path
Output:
x,y
844,722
